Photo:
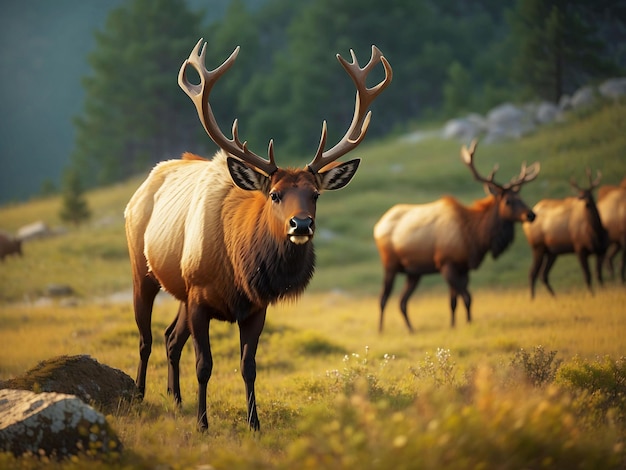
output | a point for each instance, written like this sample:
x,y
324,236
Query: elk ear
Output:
x,y
339,176
244,176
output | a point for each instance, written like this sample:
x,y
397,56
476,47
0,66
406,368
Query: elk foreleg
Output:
x,y
453,295
199,325
176,336
584,263
538,257
249,332
390,276
457,279
467,298
599,263
144,291
412,281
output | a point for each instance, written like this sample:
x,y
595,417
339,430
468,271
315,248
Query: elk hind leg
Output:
x,y
412,280
550,260
612,250
144,292
538,261
249,332
176,336
390,276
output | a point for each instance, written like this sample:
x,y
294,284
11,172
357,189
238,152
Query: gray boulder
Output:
x,y
583,98
53,424
466,128
507,121
614,88
34,231
547,112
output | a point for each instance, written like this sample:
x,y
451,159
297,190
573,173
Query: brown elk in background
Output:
x,y
231,235
447,237
570,225
9,245
612,209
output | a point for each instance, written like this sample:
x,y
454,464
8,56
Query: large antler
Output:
x,y
592,184
526,175
467,154
360,121
199,94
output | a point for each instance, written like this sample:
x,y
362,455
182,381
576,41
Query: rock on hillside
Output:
x,y
509,121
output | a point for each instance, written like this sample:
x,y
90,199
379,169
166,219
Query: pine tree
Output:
x,y
134,113
559,46
75,209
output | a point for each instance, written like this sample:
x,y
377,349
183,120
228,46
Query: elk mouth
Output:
x,y
299,239
300,230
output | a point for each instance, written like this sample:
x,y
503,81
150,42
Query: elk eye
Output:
x,y
316,195
275,196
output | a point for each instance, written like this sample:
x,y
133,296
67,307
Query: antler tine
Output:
x,y
593,184
527,174
574,184
467,154
361,118
199,94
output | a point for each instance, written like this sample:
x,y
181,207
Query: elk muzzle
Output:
x,y
300,229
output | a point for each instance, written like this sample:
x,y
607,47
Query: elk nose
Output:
x,y
530,216
300,226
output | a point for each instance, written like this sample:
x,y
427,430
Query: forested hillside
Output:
x,y
448,57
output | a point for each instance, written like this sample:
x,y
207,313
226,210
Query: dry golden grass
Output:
x,y
304,348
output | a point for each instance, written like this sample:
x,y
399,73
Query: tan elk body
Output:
x,y
448,237
612,208
569,225
230,235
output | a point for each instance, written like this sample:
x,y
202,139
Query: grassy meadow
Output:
x,y
529,384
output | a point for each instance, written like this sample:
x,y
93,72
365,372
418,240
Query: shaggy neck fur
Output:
x,y
490,231
597,233
268,267
280,269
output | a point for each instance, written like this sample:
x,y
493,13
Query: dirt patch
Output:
x,y
99,385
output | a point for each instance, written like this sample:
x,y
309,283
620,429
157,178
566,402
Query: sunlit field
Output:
x,y
323,370
528,384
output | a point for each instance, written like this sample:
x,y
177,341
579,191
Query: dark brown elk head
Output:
x,y
510,205
598,233
291,194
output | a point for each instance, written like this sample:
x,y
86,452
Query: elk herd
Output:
x,y
230,235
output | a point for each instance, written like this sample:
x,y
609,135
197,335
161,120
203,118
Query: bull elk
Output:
x,y
447,237
569,225
612,209
231,235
